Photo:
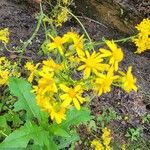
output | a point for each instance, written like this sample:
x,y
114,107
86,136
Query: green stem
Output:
x,y
35,32
80,25
3,133
116,41
10,50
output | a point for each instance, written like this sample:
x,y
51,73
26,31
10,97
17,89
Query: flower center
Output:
x,y
90,63
72,93
118,55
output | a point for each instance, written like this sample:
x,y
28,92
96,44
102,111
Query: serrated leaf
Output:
x,y
75,117
26,100
58,131
21,137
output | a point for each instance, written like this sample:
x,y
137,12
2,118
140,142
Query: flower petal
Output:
x,y
64,88
87,72
76,103
81,67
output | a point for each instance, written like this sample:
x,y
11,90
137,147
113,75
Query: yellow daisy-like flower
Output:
x,y
70,36
97,145
92,63
144,26
142,43
72,95
115,54
104,81
128,81
4,75
77,42
56,44
4,35
78,46
51,66
57,112
55,109
142,40
46,83
30,66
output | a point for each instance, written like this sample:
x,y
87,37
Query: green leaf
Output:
x,y
21,137
75,117
66,142
58,131
4,128
26,100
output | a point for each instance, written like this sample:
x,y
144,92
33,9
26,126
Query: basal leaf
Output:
x,y
26,100
75,117
21,137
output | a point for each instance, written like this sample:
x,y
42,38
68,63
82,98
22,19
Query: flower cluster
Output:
x,y
142,40
4,36
106,140
72,70
7,69
74,44
59,13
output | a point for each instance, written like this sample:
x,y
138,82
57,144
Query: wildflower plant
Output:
x,y
4,36
53,92
7,69
142,40
104,144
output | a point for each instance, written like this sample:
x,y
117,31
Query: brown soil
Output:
x,y
20,19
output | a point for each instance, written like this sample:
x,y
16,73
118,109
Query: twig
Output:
x,y
92,20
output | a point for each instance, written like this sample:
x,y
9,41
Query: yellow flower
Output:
x,y
128,81
78,46
4,35
4,75
61,17
115,55
70,36
56,44
57,112
97,145
77,42
51,66
74,59
92,63
144,26
46,83
55,109
142,40
106,141
104,81
72,95
106,138
30,66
